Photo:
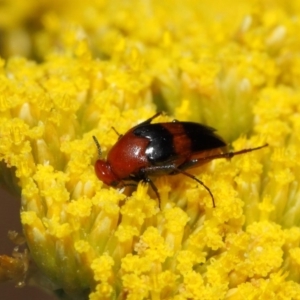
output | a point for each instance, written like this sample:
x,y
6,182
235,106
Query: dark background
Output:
x,y
10,220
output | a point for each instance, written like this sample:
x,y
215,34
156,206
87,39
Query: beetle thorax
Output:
x,y
128,156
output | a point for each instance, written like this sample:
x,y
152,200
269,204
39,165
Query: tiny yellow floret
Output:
x,y
102,267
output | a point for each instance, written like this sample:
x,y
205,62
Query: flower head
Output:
x,y
93,67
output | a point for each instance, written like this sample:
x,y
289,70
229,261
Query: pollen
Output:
x,y
103,291
29,218
102,267
186,261
82,246
176,219
266,207
80,207
137,287
294,253
125,233
58,230
283,177
139,207
135,264
153,246
265,254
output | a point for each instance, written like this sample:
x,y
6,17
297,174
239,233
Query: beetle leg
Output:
x,y
177,170
199,161
143,176
230,154
172,170
156,170
193,162
148,121
129,184
154,188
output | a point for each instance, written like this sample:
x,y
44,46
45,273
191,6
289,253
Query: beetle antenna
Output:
x,y
115,130
98,146
199,181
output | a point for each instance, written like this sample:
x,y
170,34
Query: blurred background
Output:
x,y
10,220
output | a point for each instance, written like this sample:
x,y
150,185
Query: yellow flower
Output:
x,y
92,65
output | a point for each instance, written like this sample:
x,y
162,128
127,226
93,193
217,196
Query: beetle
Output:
x,y
149,150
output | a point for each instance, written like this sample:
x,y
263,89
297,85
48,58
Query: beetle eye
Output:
x,y
105,173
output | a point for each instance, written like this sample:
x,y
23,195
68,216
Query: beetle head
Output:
x,y
105,173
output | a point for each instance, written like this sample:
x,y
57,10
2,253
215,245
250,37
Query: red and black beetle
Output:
x,y
148,150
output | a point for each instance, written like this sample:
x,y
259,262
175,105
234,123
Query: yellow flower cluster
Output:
x,y
92,65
